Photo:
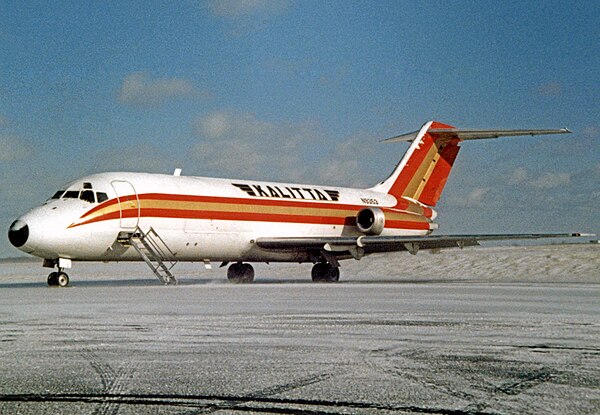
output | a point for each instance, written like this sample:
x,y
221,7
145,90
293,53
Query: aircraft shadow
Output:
x,y
220,282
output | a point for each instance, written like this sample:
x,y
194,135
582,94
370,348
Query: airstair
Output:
x,y
153,250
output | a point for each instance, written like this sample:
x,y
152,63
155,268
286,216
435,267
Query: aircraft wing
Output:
x,y
332,247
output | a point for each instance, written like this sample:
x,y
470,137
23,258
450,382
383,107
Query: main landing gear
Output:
x,y
58,279
324,272
240,273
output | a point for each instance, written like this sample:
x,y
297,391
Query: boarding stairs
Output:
x,y
153,250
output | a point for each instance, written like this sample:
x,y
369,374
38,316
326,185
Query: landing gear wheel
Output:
x,y
323,272
62,279
53,279
240,273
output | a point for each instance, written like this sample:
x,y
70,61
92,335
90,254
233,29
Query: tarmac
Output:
x,y
372,344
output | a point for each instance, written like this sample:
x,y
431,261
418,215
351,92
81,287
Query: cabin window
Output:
x,y
87,185
57,195
88,196
71,194
101,196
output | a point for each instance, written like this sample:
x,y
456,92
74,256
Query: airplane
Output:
x,y
162,219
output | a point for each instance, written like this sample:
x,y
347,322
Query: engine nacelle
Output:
x,y
370,221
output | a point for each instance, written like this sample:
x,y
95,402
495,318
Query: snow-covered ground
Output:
x,y
569,263
498,330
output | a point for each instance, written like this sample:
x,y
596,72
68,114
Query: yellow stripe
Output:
x,y
243,208
419,176
427,175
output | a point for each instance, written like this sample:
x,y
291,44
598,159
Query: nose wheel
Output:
x,y
58,279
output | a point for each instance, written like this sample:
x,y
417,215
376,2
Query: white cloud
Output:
x,y
477,197
551,180
547,180
517,176
14,148
241,145
348,163
226,124
138,89
233,9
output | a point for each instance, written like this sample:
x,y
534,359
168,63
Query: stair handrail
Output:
x,y
162,248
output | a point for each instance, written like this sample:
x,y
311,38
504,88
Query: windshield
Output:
x,y
83,192
57,195
71,194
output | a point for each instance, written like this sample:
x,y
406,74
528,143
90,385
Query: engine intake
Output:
x,y
370,221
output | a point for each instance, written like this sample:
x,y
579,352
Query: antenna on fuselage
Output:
x,y
177,172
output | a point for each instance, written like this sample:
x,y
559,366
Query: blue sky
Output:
x,y
303,91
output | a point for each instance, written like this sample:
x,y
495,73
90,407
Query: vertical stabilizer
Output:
x,y
424,170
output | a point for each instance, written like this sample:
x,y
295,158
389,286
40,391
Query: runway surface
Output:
x,y
380,345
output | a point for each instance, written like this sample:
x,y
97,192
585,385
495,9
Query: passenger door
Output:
x,y
129,203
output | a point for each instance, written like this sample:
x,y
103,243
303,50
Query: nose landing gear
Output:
x,y
58,278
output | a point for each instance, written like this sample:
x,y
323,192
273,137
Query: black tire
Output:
x,y
53,279
333,275
240,273
323,272
62,279
247,272
233,273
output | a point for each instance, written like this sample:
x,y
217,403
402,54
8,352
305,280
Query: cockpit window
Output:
x,y
88,196
71,194
57,195
102,197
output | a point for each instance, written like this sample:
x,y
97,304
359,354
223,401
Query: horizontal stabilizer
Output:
x,y
449,133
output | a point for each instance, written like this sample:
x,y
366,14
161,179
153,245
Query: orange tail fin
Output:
x,y
424,170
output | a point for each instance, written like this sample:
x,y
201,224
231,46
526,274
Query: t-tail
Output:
x,y
424,170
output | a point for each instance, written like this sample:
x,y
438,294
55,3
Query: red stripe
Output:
x,y
436,182
249,201
399,224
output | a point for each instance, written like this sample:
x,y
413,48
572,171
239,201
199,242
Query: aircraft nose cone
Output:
x,y
18,233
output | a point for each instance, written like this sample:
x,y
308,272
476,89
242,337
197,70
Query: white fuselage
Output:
x,y
202,219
